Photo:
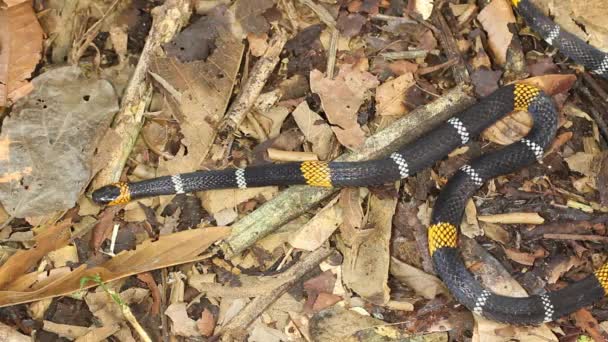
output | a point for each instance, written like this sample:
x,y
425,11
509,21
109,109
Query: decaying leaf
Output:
x,y
341,98
51,135
199,91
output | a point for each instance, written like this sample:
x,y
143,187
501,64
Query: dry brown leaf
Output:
x,y
341,98
495,232
258,43
495,18
314,233
11,334
426,285
21,37
206,324
574,15
64,330
182,324
168,250
315,129
390,95
469,226
325,300
352,214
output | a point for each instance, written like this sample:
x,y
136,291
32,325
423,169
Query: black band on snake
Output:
x,y
449,207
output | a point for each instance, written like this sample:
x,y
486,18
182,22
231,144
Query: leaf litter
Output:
x,y
348,70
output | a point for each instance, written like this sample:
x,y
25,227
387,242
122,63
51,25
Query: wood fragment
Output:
x,y
409,54
578,237
298,199
513,218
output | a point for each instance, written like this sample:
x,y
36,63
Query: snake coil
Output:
x,y
449,207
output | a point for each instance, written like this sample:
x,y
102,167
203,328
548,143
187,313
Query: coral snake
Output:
x,y
449,207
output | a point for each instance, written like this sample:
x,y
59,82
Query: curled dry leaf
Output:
x,y
21,37
315,129
341,98
495,18
523,257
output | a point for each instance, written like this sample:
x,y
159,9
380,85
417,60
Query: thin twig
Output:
x,y
333,50
250,91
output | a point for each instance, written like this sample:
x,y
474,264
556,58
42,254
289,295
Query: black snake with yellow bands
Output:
x,y
449,207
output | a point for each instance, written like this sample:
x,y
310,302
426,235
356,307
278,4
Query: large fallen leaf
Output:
x,y
168,250
51,136
200,90
20,50
341,98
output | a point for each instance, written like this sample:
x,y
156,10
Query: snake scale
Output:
x,y
449,207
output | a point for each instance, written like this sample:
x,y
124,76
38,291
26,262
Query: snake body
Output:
x,y
449,207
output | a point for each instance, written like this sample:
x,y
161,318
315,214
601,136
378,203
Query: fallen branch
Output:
x,y
258,305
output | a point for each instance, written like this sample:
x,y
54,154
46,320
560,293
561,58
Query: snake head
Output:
x,y
113,194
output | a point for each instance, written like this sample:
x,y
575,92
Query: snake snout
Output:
x,y
106,194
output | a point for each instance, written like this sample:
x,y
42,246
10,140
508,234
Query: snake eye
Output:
x,y
106,194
